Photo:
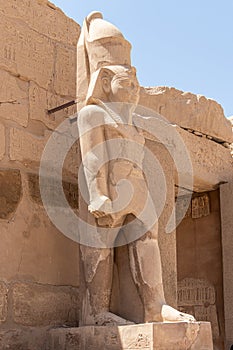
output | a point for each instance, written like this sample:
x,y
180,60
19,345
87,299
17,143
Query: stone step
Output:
x,y
147,336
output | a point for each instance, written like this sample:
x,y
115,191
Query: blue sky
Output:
x,y
184,44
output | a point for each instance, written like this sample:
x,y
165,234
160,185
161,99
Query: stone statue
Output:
x,y
112,150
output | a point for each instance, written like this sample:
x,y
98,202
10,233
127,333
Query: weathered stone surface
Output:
x,y
10,192
189,111
226,196
212,163
2,141
3,302
199,266
25,52
13,98
26,147
38,305
199,296
43,17
65,71
70,190
41,101
152,336
37,251
23,339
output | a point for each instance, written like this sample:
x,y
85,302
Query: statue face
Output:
x,y
124,88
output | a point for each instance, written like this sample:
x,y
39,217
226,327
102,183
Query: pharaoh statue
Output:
x,y
112,152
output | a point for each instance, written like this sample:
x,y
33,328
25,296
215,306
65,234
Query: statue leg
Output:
x,y
97,266
145,263
147,274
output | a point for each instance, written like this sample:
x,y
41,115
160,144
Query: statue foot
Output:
x,y
110,319
169,314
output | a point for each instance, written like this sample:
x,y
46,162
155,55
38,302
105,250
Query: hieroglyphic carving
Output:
x,y
199,298
54,25
208,313
64,80
200,206
13,98
142,342
27,53
41,101
9,52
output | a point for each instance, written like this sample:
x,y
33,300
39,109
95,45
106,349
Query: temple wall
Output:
x,y
39,274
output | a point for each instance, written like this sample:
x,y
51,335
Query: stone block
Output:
x,y
41,101
65,71
13,98
23,339
70,190
2,140
189,111
43,17
150,336
10,192
25,147
38,305
33,245
212,163
28,148
3,302
26,53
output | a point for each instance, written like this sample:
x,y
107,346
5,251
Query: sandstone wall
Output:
x,y
39,275
194,112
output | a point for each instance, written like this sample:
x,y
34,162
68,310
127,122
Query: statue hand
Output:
x,y
100,207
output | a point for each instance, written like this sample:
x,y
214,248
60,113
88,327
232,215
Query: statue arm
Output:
x,y
91,124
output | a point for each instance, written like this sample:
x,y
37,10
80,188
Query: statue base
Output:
x,y
147,336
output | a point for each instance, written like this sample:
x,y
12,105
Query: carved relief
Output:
x,y
64,82
54,24
9,53
200,206
13,98
142,342
199,298
29,54
41,101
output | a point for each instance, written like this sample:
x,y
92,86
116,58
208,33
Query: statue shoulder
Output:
x,y
91,115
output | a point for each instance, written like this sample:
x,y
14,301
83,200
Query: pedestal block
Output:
x,y
148,336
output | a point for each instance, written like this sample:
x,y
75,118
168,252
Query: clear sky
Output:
x,y
184,44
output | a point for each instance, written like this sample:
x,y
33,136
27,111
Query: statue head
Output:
x,y
114,84
104,65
